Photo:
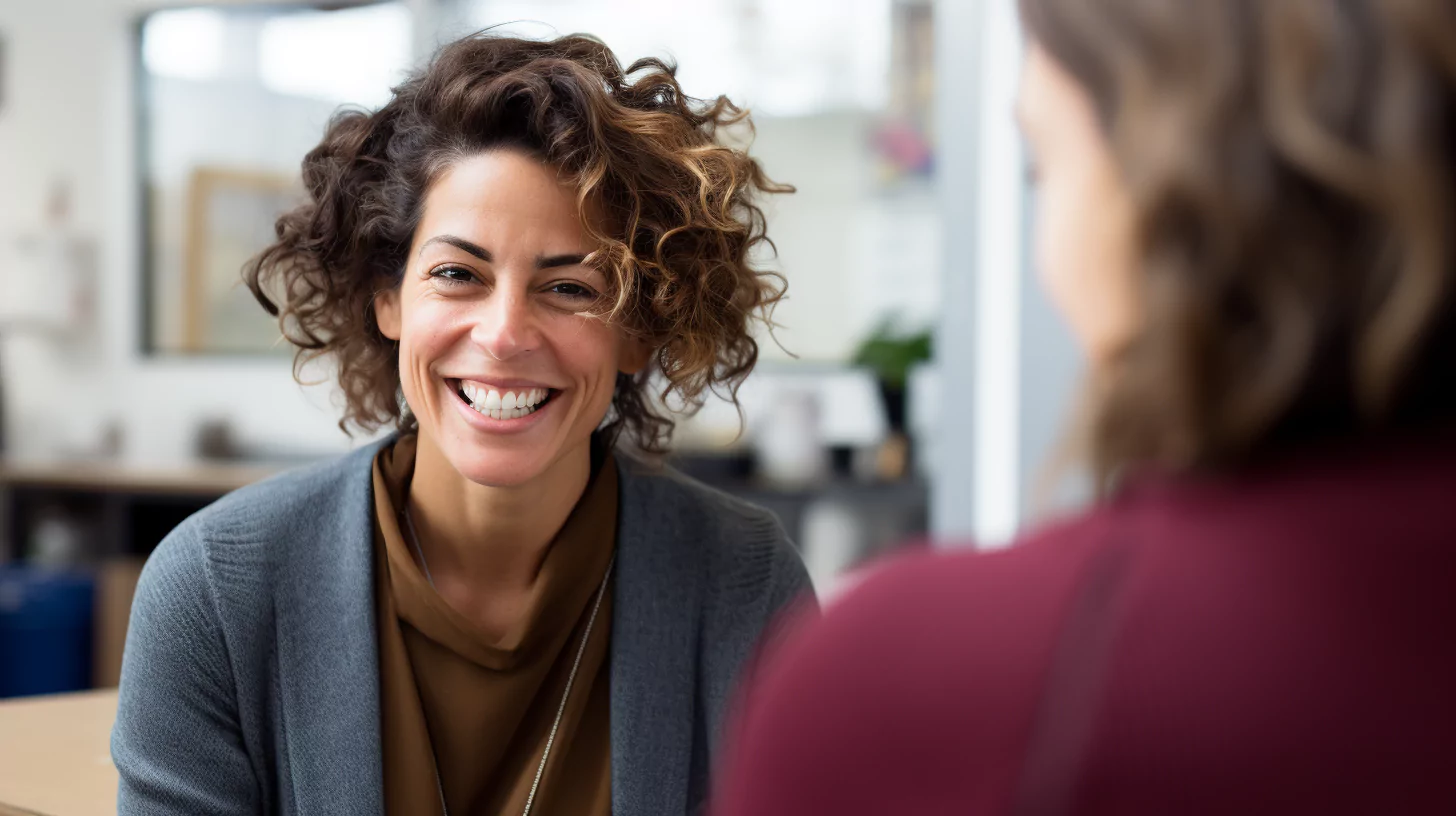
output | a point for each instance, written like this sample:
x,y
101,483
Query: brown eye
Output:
x,y
574,291
452,274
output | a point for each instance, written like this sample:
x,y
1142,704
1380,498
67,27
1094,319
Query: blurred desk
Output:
x,y
55,755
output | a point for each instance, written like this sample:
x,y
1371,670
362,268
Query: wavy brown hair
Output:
x,y
1293,165
673,212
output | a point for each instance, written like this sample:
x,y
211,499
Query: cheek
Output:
x,y
417,350
430,327
1060,241
1084,255
591,348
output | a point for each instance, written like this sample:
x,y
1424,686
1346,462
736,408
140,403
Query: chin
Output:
x,y
492,466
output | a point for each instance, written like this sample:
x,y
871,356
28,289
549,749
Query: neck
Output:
x,y
490,538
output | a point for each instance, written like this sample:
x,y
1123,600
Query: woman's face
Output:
x,y
499,360
1085,234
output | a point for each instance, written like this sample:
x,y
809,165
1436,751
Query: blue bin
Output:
x,y
45,630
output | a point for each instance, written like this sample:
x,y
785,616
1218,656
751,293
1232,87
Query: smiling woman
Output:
x,y
493,610
504,361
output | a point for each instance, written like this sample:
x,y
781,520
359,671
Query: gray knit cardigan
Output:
x,y
250,682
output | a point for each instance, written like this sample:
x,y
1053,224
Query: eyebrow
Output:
x,y
555,261
460,243
542,262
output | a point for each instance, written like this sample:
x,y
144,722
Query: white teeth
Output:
x,y
507,413
510,405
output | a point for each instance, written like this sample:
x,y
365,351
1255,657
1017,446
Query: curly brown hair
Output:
x,y
674,215
1293,165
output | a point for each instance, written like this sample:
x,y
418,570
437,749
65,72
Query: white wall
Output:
x,y
852,253
1009,368
66,115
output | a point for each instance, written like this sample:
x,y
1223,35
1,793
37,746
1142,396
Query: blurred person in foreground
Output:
x,y
1247,213
494,609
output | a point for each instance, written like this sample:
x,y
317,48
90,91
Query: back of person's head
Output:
x,y
1285,172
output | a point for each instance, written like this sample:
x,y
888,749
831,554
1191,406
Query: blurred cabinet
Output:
x,y
100,520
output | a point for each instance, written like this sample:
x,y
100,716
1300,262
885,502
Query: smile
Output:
x,y
502,404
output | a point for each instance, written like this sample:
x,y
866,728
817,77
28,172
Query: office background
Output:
x,y
145,148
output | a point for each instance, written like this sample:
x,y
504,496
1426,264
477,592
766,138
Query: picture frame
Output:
x,y
230,215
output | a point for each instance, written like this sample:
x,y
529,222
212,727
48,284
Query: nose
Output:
x,y
506,327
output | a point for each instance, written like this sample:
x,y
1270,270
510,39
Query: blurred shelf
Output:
x,y
114,507
883,514
106,476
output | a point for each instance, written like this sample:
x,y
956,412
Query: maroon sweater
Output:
x,y
1284,643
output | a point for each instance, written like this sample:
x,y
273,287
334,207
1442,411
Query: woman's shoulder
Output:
x,y
681,505
934,647
300,487
742,549
257,528
294,499
1005,598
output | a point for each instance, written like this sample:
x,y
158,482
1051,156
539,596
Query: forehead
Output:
x,y
502,188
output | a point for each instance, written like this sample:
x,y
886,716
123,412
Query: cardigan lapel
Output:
x,y
326,638
656,608
329,688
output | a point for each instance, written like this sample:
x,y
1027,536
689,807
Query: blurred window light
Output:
x,y
780,58
184,43
349,56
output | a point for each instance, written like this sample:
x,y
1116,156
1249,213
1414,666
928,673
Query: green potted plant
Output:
x,y
891,353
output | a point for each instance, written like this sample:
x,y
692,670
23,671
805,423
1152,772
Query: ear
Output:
x,y
635,354
386,313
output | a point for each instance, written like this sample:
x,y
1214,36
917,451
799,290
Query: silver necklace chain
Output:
x,y
570,678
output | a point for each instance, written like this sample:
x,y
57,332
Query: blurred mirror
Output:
x,y
230,99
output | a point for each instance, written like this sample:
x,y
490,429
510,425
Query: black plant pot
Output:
x,y
893,397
